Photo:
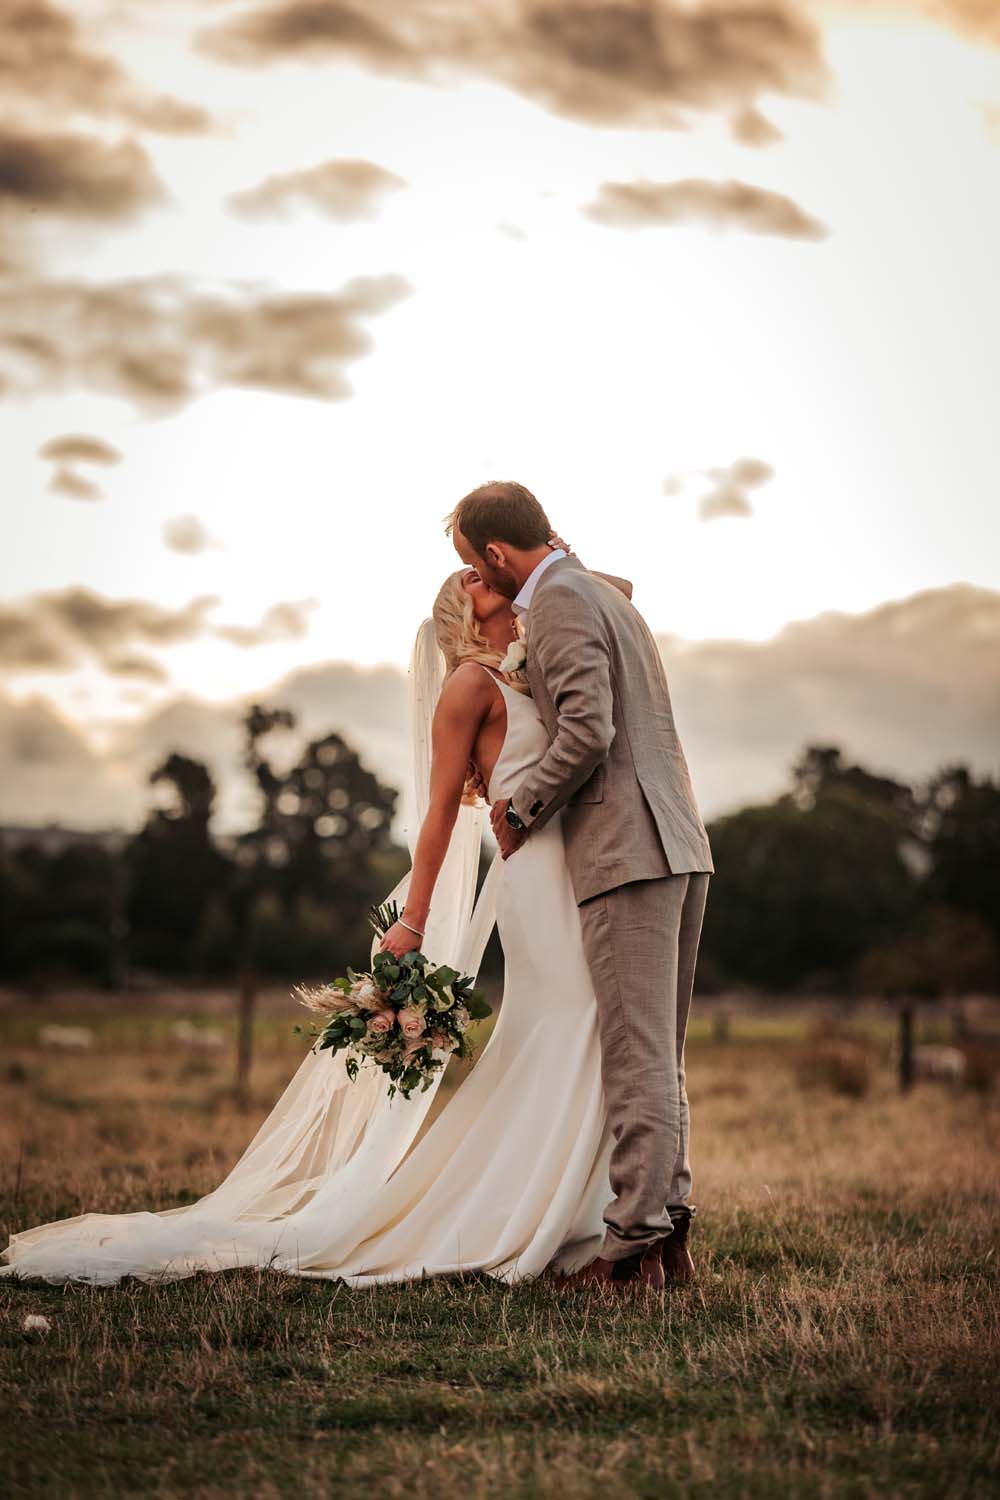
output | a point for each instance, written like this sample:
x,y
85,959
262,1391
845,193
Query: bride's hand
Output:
x,y
399,940
475,790
557,541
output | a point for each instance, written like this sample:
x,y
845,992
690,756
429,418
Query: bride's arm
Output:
x,y
465,700
624,584
620,583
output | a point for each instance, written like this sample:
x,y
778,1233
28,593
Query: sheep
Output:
x,y
73,1038
945,1063
204,1038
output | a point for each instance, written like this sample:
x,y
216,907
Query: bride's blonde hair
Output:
x,y
458,633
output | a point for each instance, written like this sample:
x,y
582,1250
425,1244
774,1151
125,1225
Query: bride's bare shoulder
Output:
x,y
471,686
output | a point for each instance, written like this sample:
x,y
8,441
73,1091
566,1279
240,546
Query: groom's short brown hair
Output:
x,y
500,511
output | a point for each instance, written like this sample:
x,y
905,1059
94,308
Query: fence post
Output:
x,y
244,1045
906,1045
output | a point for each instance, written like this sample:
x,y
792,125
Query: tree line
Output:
x,y
848,882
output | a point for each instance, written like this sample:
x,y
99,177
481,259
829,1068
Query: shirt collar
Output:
x,y
522,603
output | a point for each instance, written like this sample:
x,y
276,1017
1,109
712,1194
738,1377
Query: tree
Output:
x,y
214,947
800,893
174,867
949,952
961,826
822,769
319,825
322,825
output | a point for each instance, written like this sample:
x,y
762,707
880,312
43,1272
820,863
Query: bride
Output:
x,y
511,1178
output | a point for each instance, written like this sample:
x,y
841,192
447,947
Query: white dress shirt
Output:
x,y
522,603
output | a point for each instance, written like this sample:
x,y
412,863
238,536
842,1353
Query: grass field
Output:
x,y
841,1339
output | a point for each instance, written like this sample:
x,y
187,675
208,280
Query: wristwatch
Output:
x,y
513,819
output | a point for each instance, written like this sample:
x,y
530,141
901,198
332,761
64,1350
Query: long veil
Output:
x,y
328,1144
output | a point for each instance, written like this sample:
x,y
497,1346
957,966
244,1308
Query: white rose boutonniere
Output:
x,y
517,655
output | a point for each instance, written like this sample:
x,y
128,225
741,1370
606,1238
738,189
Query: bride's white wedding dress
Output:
x,y
511,1178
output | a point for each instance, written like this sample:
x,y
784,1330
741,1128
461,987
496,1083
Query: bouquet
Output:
x,y
407,1016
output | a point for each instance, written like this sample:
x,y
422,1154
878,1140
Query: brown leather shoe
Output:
x,y
641,1271
605,1275
675,1255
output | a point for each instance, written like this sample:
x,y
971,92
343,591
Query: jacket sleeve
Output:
x,y
568,637
620,583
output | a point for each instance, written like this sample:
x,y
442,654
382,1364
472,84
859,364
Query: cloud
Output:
x,y
724,500
143,668
728,496
634,63
80,448
72,449
58,630
281,622
643,204
74,176
188,534
52,771
751,128
344,190
904,688
102,624
47,69
74,486
316,28
30,642
161,341
978,20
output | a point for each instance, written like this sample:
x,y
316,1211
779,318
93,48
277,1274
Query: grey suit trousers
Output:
x,y
641,941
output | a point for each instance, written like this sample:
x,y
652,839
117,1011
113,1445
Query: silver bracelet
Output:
x,y
409,928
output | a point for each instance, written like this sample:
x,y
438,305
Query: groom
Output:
x,y
636,848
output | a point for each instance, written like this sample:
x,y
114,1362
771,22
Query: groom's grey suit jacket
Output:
x,y
615,762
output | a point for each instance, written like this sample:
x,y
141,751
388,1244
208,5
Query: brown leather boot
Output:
x,y
651,1270
633,1273
675,1255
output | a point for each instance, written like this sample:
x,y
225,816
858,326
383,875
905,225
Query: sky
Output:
x,y
280,282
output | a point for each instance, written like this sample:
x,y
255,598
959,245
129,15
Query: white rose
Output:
x,y
445,1000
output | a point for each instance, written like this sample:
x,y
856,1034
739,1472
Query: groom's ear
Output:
x,y
494,555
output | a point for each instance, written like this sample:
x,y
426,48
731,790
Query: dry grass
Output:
x,y
841,1340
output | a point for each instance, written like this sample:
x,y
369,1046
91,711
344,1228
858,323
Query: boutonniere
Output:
x,y
517,655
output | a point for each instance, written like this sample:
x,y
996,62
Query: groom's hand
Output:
x,y
509,839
